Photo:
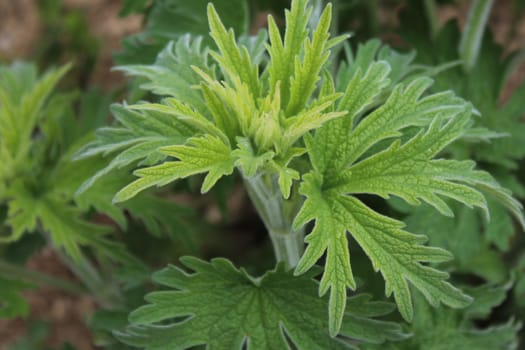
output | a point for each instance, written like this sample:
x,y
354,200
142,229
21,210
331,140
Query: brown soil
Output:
x,y
107,27
16,40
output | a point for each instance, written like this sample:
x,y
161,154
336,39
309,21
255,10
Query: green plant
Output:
x,y
39,133
308,145
350,150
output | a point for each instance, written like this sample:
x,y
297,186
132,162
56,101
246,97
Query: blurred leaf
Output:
x,y
12,304
445,329
170,19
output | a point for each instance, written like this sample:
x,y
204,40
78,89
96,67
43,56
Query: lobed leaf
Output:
x,y
396,253
203,154
12,303
259,313
171,74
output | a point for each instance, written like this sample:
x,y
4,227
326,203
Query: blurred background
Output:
x,y
96,35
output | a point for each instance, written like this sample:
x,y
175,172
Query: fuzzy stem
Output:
x,y
288,247
266,196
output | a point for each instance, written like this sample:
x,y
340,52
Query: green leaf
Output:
x,y
179,17
171,19
139,138
22,99
260,313
204,154
363,154
499,230
328,234
307,70
283,54
131,6
61,221
441,329
405,107
381,238
171,74
409,172
247,160
163,217
463,235
235,61
360,93
482,85
12,304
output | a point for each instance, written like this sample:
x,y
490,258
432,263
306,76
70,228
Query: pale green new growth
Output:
x,y
372,129
205,154
237,122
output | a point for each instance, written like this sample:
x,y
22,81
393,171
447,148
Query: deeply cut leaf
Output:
x,y
396,253
206,154
260,313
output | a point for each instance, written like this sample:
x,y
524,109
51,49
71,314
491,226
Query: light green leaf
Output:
x,y
22,214
204,154
287,176
247,160
405,107
259,313
233,59
360,93
61,222
283,54
396,253
407,171
186,116
307,69
22,99
171,74
138,137
308,119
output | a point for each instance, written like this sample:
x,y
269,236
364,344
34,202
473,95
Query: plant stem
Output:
x,y
288,247
21,273
470,44
266,196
